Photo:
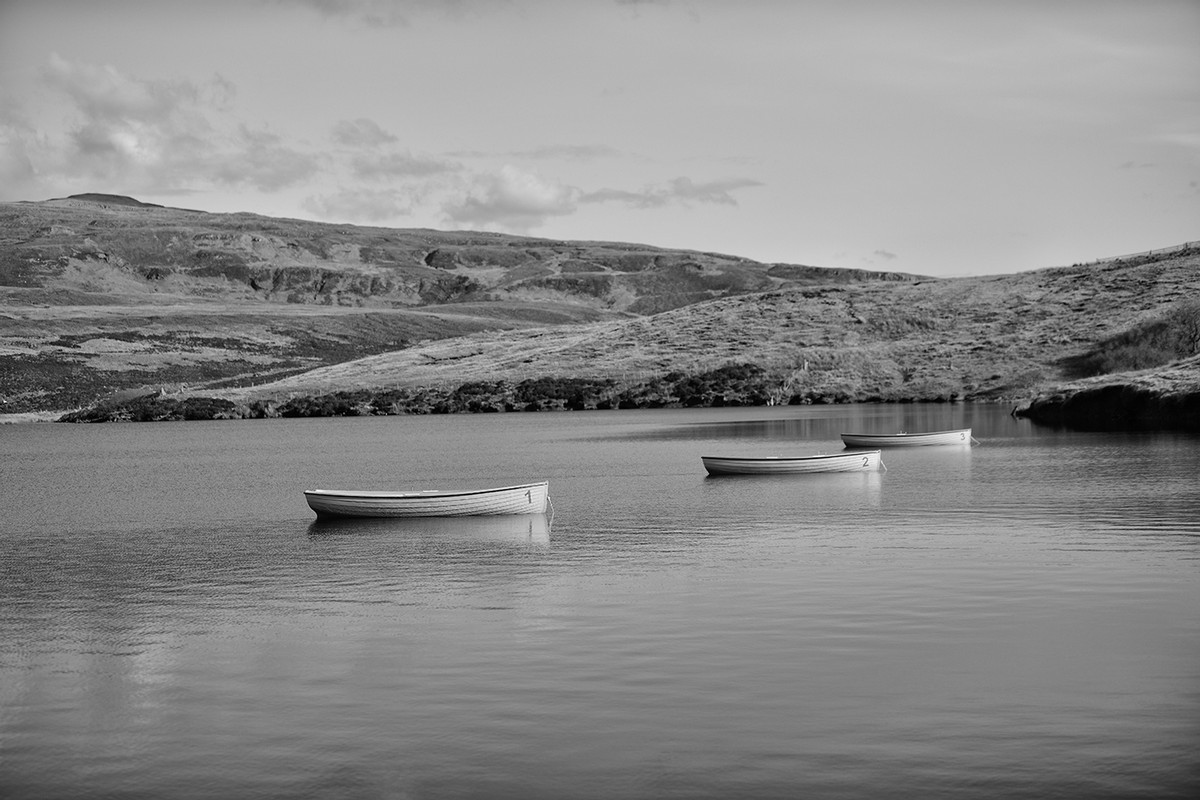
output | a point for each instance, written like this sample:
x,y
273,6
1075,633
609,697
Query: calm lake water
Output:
x,y
1020,619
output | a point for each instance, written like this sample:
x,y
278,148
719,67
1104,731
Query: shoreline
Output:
x,y
27,417
1160,399
1109,408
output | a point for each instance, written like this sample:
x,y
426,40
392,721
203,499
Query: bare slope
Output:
x,y
103,247
103,292
994,337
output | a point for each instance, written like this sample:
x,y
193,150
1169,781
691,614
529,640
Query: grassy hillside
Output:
x,y
988,338
103,295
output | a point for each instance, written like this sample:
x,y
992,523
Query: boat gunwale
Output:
x,y
918,434
781,459
953,436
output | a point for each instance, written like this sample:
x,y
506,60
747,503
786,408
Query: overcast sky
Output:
x,y
943,137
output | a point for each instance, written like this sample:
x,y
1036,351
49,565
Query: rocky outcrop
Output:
x,y
105,245
1160,399
1116,408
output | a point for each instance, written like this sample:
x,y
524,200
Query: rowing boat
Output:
x,y
902,439
792,465
530,498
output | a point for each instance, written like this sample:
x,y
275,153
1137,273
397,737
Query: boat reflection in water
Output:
x,y
822,489
513,528
929,463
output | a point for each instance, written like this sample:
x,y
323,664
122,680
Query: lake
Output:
x,y
1017,619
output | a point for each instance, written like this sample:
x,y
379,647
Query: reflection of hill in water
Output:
x,y
819,426
512,528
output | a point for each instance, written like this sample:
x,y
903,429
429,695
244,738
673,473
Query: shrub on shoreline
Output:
x,y
156,408
1170,337
729,385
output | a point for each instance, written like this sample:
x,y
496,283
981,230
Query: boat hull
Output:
x,y
956,437
862,461
530,498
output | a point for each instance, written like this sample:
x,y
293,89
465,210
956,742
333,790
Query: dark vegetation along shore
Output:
x,y
118,310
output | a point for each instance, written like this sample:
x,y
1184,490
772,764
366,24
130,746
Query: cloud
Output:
x,y
361,133
679,190
361,205
1189,140
125,125
550,151
636,5
573,152
16,168
374,157
373,13
511,199
162,136
104,94
518,201
263,160
379,166
17,140
384,13
885,255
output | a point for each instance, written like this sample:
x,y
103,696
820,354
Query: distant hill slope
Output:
x,y
113,249
102,292
982,338
109,199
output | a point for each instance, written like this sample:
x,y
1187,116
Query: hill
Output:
x,y
103,292
998,338
261,316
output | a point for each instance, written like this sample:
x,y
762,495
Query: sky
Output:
x,y
938,137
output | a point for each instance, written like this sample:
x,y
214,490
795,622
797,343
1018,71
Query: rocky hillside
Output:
x,y
107,297
103,249
103,293
979,338
1164,397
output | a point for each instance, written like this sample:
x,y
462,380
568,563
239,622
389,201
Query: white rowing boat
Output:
x,y
962,437
860,461
530,498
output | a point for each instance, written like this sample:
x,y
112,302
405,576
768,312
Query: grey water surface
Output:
x,y
1017,619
